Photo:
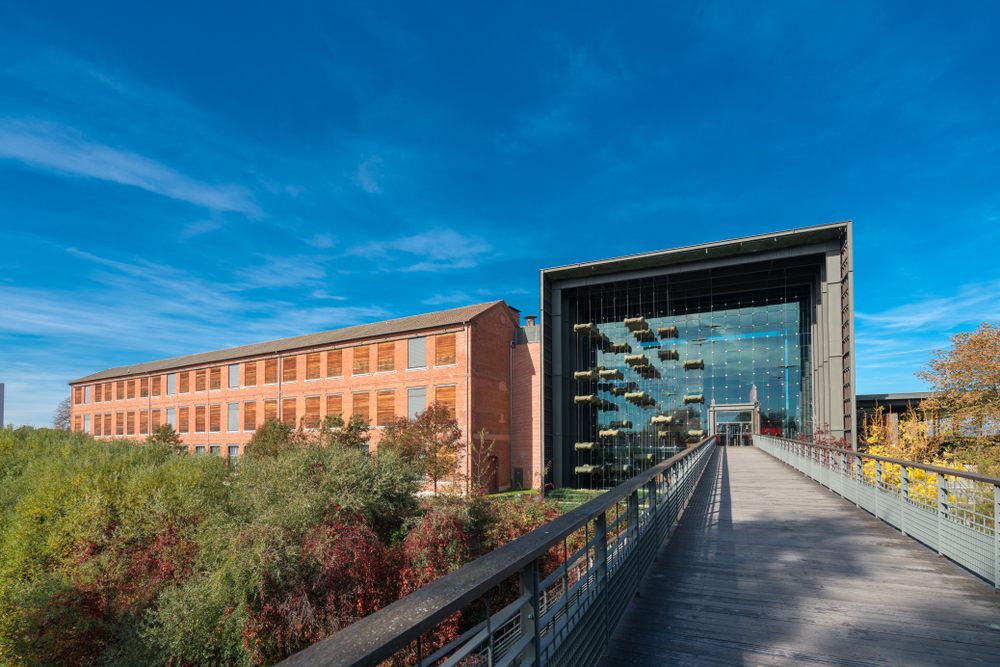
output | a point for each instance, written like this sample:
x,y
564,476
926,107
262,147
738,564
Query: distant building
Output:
x,y
892,406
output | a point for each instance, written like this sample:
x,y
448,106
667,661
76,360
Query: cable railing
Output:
x,y
551,597
954,512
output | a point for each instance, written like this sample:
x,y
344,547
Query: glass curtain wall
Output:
x,y
648,357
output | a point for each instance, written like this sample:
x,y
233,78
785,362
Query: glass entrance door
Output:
x,y
735,434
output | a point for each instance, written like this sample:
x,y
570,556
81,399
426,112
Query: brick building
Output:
x,y
463,358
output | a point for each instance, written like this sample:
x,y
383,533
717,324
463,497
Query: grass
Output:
x,y
565,499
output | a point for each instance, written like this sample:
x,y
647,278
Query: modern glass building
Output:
x,y
646,354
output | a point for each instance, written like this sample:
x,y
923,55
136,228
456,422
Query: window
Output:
x,y
130,422
77,395
215,450
86,394
312,366
250,416
233,417
385,411
107,391
86,423
270,409
199,450
386,357
215,418
172,417
77,423
199,419
312,412
250,373
107,424
233,452
120,390
130,389
156,385
99,393
362,360
183,420
416,352
154,419
271,371
288,411
334,363
335,405
360,405
171,384
199,380
444,349
446,397
288,369
143,422
119,423
215,378
98,425
185,382
416,401
234,376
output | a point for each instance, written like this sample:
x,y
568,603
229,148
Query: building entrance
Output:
x,y
734,424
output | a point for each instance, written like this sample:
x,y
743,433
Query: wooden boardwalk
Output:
x,y
767,567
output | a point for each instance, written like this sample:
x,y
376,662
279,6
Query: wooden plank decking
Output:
x,y
767,567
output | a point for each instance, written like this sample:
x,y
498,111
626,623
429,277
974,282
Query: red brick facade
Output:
x,y
468,366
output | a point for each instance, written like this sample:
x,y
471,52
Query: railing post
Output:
x,y
530,613
878,484
857,472
904,495
601,556
996,536
942,510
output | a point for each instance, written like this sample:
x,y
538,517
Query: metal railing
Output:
x,y
952,511
573,578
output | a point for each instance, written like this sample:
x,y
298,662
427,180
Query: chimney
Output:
x,y
529,320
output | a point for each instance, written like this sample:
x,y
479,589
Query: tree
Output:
x,y
354,433
431,441
165,435
62,419
272,438
966,380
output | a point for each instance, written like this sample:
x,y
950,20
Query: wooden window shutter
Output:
x,y
130,422
107,424
154,419
215,418
215,378
184,382
359,407
98,393
250,416
120,390
155,386
270,409
199,419
250,373
385,408
288,411
312,366
77,395
334,363
77,423
130,389
446,397
335,405
108,391
271,371
288,369
199,380
143,422
444,349
98,430
183,420
362,360
386,357
312,411
119,423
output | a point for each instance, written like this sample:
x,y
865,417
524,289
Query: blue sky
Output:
x,y
200,175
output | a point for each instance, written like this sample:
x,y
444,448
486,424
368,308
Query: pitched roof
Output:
x,y
401,325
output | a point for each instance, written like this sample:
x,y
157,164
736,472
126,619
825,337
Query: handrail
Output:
x,y
955,512
941,470
380,635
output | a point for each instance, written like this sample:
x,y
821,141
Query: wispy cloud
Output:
x,y
65,151
973,303
367,175
430,251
